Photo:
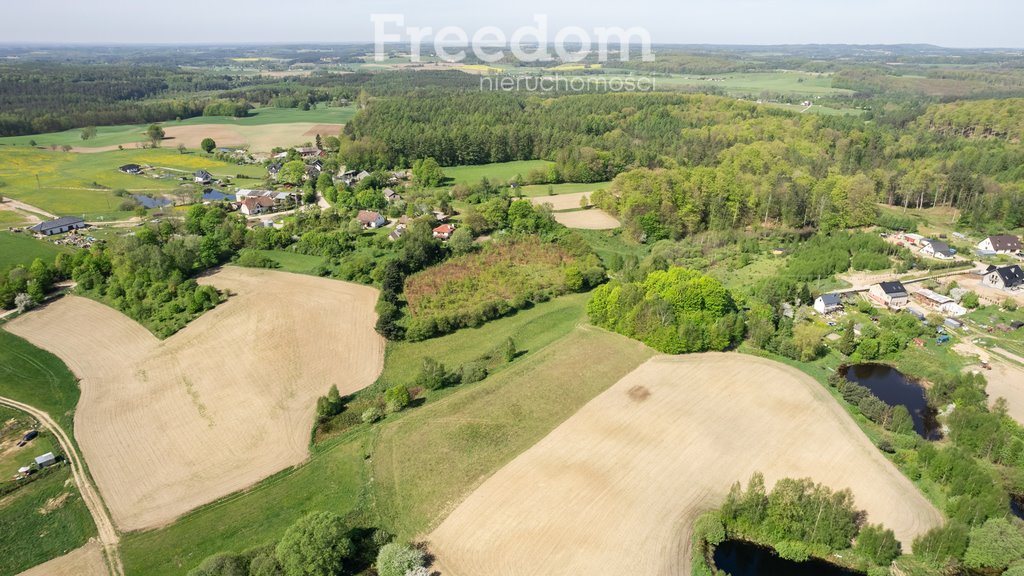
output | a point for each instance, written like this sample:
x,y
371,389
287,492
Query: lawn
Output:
x,y
38,378
536,392
67,183
114,135
292,262
500,172
16,423
11,218
32,537
555,189
22,249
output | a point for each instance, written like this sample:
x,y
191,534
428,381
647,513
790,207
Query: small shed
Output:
x,y
45,460
24,470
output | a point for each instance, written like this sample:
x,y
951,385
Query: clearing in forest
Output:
x,y
616,488
170,425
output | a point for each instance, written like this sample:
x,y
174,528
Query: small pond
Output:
x,y
740,558
150,202
894,388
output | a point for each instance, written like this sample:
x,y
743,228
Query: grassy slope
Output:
x,y
38,378
291,262
20,248
114,135
338,477
66,183
31,538
427,462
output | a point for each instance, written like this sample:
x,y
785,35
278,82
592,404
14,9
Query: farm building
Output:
x,y
940,250
309,152
891,294
935,301
397,233
131,169
1005,278
58,226
1001,244
828,303
361,176
444,231
391,196
953,323
370,219
45,460
203,177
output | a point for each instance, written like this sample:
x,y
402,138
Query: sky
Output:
x,y
950,23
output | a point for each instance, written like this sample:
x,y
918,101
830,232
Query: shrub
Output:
x,y
396,559
396,398
315,545
253,259
433,375
970,300
372,415
878,543
221,565
472,372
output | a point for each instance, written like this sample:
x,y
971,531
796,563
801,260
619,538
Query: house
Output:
x,y
253,205
370,219
391,196
444,231
361,176
310,152
203,177
397,233
827,304
313,170
211,195
45,460
58,226
891,294
273,169
131,169
940,250
1005,278
1001,244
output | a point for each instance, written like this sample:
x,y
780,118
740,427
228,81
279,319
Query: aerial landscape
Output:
x,y
690,289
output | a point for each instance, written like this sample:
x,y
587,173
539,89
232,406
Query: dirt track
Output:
x,y
616,488
168,426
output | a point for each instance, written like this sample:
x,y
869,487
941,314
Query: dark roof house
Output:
x,y
894,288
1010,276
58,226
131,169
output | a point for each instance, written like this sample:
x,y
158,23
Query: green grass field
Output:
x,y
114,135
562,367
500,172
32,537
38,378
22,249
571,188
17,423
67,183
292,262
11,218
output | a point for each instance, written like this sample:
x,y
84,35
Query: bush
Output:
x,y
221,565
396,398
372,415
315,545
472,372
433,375
878,543
397,559
253,259
970,300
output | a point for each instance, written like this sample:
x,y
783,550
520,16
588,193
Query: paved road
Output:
x,y
107,534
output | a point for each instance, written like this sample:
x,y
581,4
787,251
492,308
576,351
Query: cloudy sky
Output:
x,y
951,23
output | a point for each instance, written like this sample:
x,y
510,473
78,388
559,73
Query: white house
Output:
x,y
370,219
58,226
1001,244
940,250
891,294
827,304
203,177
1005,278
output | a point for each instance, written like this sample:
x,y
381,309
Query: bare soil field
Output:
x,y
167,426
85,561
1007,381
259,138
593,219
616,488
561,201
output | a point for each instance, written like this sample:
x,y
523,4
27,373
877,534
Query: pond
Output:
x,y
150,202
740,558
894,388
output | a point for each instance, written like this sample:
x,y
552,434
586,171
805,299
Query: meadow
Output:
x,y
69,183
38,378
124,134
21,249
499,172
557,189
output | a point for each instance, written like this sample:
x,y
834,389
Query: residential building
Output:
x,y
131,169
444,231
58,226
370,219
1001,244
203,177
1005,278
828,303
891,294
940,250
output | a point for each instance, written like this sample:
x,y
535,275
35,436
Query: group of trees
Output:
x,y
674,311
319,544
799,519
149,275
22,287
